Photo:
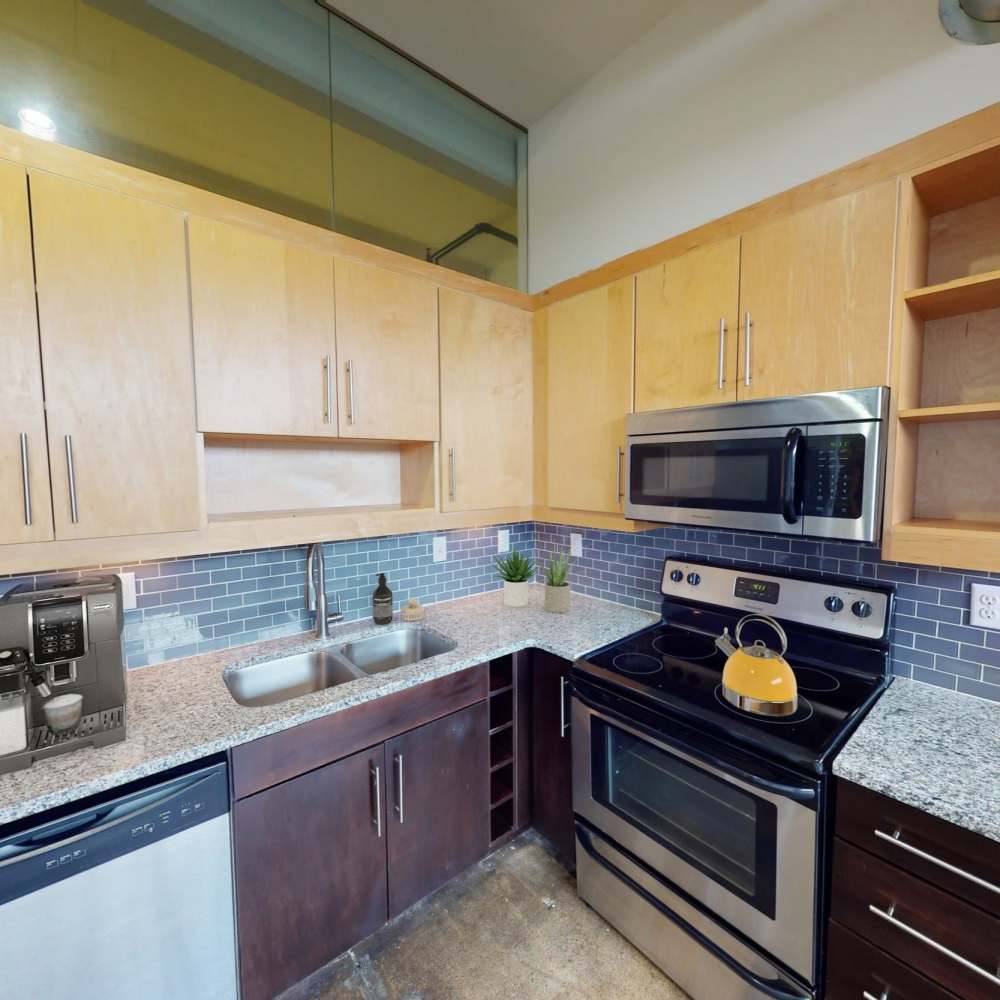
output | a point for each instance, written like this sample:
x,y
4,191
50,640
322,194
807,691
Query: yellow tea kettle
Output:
x,y
755,678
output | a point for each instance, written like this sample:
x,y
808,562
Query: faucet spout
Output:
x,y
316,591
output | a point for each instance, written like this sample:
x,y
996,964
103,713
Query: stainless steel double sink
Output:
x,y
287,677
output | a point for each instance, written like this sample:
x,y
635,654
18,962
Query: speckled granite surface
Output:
x,y
181,711
934,749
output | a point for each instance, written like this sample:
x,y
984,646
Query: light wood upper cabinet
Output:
x,y
264,349
25,504
387,350
686,328
818,286
116,347
486,400
589,378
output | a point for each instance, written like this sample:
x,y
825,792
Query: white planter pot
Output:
x,y
515,595
557,599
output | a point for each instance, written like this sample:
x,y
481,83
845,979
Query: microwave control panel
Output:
x,y
58,631
835,475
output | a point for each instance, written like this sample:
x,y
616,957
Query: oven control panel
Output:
x,y
847,608
58,631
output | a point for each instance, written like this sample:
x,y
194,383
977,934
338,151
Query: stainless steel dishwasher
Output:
x,y
131,897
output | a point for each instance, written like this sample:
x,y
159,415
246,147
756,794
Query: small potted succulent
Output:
x,y
557,584
515,570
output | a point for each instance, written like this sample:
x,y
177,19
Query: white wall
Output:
x,y
726,102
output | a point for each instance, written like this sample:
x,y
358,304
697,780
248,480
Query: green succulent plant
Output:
x,y
557,571
515,568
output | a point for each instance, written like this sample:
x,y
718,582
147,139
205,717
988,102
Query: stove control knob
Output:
x,y
862,609
676,575
833,603
694,579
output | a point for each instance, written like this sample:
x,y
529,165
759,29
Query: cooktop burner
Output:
x,y
815,680
803,711
636,663
685,645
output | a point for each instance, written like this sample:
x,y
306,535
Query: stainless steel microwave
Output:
x,y
798,465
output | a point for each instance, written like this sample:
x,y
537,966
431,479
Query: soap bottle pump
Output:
x,y
382,602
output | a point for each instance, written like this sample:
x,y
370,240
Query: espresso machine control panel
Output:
x,y
58,631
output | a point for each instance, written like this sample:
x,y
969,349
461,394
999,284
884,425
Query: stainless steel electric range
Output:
x,y
703,831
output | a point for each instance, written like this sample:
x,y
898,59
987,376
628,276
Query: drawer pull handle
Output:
x,y
871,996
889,918
893,838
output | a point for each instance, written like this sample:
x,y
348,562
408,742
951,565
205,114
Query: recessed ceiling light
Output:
x,y
36,123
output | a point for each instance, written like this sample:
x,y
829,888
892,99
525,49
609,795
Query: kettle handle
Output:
x,y
766,620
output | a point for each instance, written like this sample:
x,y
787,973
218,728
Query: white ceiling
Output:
x,y
520,56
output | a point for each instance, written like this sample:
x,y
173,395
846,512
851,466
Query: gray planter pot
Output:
x,y
557,599
515,595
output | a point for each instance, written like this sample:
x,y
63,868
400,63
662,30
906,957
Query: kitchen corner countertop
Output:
x,y
182,710
933,749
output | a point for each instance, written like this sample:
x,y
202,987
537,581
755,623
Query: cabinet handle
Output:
x,y
328,382
351,409
871,996
722,353
748,329
74,513
618,474
397,759
376,779
563,724
893,839
452,477
25,479
889,918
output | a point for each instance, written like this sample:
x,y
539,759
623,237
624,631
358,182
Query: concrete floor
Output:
x,y
511,928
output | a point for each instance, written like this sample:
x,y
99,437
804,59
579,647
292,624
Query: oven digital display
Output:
x,y
757,590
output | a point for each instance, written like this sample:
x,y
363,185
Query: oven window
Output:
x,y
735,474
726,833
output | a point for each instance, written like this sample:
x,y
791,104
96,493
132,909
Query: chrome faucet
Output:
x,y
316,591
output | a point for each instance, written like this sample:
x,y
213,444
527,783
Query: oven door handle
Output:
x,y
794,792
770,988
790,476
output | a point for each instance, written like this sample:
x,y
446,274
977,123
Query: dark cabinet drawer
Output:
x,y
931,931
962,862
856,969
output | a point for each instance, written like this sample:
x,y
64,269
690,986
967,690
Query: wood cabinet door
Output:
x,y
25,501
551,758
387,350
264,346
818,287
116,348
589,367
687,328
486,403
310,862
439,803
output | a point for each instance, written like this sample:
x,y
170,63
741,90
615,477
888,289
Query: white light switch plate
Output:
x,y
984,608
440,548
503,540
128,590
575,543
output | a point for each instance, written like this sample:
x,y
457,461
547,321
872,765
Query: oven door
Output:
x,y
730,478
742,845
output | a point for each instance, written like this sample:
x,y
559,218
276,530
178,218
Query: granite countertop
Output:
x,y
181,711
933,749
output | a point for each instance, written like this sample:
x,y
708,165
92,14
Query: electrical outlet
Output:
x,y
984,607
575,543
128,590
440,548
503,540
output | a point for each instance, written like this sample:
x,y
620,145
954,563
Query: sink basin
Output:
x,y
395,649
289,677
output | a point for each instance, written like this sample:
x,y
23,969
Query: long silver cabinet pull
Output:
x,y
25,479
618,474
722,353
397,759
748,331
871,996
893,839
452,477
351,411
376,779
328,383
563,724
74,512
889,918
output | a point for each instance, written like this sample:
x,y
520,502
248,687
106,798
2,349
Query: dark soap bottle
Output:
x,y
382,602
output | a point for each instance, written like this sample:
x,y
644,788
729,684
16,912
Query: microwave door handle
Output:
x,y
790,476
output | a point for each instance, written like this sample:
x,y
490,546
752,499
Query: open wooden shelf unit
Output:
x,y
943,492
